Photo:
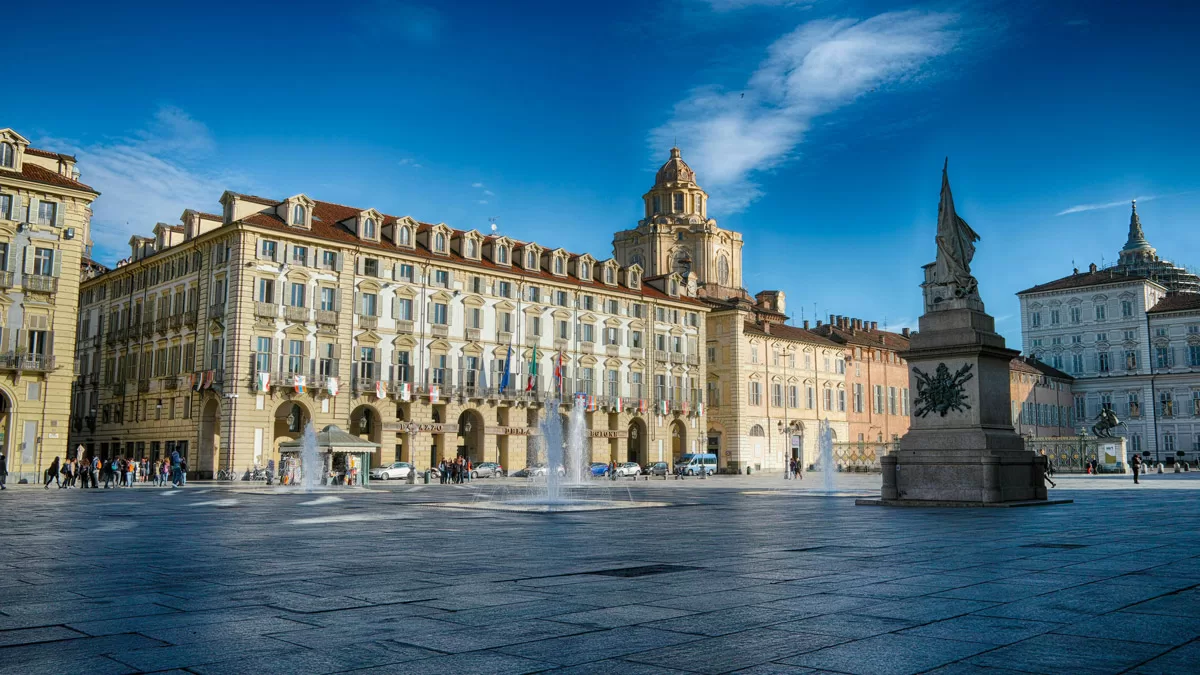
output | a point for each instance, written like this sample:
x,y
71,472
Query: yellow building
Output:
x,y
221,337
45,215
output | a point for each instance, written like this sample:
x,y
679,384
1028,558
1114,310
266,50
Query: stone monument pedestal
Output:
x,y
961,449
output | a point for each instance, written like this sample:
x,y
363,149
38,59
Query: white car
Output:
x,y
629,469
395,470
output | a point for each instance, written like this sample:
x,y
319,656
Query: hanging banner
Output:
x,y
405,391
264,381
664,407
591,403
331,385
619,404
299,382
380,389
642,406
434,394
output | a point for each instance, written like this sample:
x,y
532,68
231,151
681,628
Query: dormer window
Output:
x,y
405,236
531,261
8,155
439,242
674,287
298,214
634,280
558,265
609,276
368,228
471,248
585,271
502,255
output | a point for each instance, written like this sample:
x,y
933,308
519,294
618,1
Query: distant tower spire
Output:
x,y
1136,247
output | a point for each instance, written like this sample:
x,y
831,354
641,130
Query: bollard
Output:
x,y
427,476
748,470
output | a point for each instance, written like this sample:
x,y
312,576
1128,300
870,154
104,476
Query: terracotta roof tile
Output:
x,y
1028,364
48,154
325,225
779,330
879,339
37,174
1177,302
260,200
1080,280
211,216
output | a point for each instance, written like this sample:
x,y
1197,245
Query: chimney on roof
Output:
x,y
1092,267
806,324
904,332
766,327
818,323
874,325
1074,270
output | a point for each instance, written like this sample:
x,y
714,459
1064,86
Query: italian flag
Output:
x,y
532,371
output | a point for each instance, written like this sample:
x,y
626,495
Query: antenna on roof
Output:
x,y
493,220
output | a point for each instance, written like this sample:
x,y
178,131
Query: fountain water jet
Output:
x,y
576,441
311,466
825,445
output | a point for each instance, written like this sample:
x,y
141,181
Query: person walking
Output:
x,y
182,471
175,468
52,474
3,470
1135,464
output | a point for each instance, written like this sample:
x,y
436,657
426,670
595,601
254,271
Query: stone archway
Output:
x,y
679,446
470,435
290,419
637,439
714,444
210,440
366,423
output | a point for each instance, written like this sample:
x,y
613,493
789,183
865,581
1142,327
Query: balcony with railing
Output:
x,y
177,322
170,383
6,279
118,389
40,283
161,324
439,330
216,309
190,318
26,362
693,359
327,317
143,386
660,355
473,334
676,358
266,310
365,378
296,314
366,322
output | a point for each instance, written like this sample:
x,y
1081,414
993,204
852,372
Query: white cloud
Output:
x,y
476,185
733,5
1080,208
814,70
489,193
409,163
147,176
482,201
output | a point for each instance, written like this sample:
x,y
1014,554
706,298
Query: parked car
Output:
x,y
629,469
695,464
535,470
657,469
393,471
487,470
599,470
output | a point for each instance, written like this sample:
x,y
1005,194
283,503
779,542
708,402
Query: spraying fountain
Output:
x,y
311,466
825,446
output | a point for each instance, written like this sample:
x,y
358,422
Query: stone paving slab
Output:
x,y
219,579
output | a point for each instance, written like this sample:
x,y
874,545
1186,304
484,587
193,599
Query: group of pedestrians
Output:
x,y
457,470
795,469
116,472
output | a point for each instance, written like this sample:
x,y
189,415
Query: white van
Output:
x,y
693,464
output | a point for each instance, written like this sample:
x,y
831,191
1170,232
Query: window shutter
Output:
x,y
32,214
57,264
358,266
28,264
8,260
358,304
60,214
396,307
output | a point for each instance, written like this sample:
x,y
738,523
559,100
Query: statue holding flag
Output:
x,y
948,280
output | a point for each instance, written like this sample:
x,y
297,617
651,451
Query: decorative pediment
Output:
x,y
442,296
499,250
439,345
505,306
402,232
369,337
556,261
437,238
296,331
296,211
468,244
403,342
366,225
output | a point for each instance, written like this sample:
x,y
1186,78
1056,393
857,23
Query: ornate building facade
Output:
x,y
224,335
1129,335
45,220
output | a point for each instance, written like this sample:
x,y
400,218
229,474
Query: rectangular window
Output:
x,y
793,396
534,294
1194,355
403,367
1100,311
366,363
474,317
299,255
371,267
262,354
904,401
326,360
405,272
1162,357
47,212
1054,317
441,314
755,393
858,398
879,399
563,331
1126,309
635,339
535,326
6,205
404,309
1077,363
1102,362
841,396
298,293
295,358
777,395
610,336
1076,315
810,397
43,261
828,399
268,249
328,259
893,407
504,289
370,304
560,298
1035,319
441,278
636,383
329,299
477,284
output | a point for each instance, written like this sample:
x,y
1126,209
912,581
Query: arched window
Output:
x,y
757,431
657,205
405,236
470,248
585,271
7,156
723,271
608,275
531,260
698,200
439,242
558,264
369,228
502,254
634,280
298,214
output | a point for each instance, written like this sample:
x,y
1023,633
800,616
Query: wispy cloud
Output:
x,y
409,163
733,5
489,193
819,67
1080,208
394,18
481,201
149,175
1078,22
476,185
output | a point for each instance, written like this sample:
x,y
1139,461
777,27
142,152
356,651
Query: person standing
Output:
x,y
52,474
175,468
1135,464
182,471
3,470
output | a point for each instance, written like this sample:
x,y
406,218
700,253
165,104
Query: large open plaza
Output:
x,y
733,574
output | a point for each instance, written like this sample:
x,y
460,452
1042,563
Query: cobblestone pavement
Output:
x,y
747,574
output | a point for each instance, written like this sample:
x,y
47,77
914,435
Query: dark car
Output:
x,y
657,469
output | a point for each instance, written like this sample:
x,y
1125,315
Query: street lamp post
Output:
x,y
786,430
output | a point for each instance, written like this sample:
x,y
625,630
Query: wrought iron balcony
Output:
x,y
161,324
26,362
40,283
143,386
147,328
177,322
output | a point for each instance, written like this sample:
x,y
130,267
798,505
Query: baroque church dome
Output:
x,y
675,171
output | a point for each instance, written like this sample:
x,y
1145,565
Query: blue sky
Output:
x,y
818,127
